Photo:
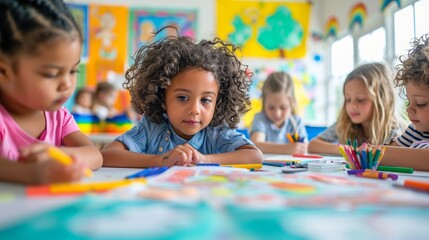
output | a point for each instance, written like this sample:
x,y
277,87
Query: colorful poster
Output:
x,y
304,83
144,22
265,29
80,13
108,38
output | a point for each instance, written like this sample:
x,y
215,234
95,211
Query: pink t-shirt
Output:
x,y
59,124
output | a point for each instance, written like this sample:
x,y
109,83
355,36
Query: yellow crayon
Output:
x,y
248,166
63,158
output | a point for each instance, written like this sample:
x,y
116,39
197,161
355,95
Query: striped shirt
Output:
x,y
413,138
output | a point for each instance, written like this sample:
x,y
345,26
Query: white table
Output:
x,y
14,206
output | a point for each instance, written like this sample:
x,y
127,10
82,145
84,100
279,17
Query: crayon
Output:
x,y
207,164
418,185
147,172
77,188
64,159
395,169
377,175
248,166
276,164
289,136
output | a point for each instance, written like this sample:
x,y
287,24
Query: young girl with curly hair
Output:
x,y
412,148
368,113
192,96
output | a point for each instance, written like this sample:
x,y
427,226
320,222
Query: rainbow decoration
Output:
x,y
385,3
118,124
88,123
331,27
357,15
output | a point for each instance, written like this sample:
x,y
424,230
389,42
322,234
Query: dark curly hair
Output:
x,y
25,24
156,64
414,66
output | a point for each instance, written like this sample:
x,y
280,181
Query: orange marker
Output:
x,y
419,185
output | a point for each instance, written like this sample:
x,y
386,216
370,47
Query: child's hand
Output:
x,y
34,153
298,147
55,172
182,155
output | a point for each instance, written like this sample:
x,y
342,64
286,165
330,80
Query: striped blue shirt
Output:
x,y
413,138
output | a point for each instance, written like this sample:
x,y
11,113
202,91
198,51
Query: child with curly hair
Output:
x,y
412,148
192,96
368,113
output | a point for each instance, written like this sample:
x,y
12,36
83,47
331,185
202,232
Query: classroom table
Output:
x,y
300,212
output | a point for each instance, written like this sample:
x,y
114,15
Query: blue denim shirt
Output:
x,y
293,124
152,138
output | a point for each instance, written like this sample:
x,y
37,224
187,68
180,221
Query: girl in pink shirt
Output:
x,y
40,46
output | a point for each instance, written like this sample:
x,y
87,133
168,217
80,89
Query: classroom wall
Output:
x,y
310,68
315,65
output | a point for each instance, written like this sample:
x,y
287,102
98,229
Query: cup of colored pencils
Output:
x,y
363,157
364,160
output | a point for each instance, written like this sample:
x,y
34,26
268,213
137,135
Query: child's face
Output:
x,y
358,102
85,100
418,108
42,81
190,101
277,107
108,99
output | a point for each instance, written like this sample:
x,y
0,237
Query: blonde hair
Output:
x,y
280,82
377,79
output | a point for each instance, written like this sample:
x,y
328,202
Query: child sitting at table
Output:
x,y
368,113
104,101
277,129
412,148
192,96
40,50
83,101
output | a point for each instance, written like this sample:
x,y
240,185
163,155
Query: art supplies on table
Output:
x,y
293,170
63,158
77,188
275,164
293,138
368,173
325,167
395,169
244,165
364,157
414,184
294,159
307,156
147,172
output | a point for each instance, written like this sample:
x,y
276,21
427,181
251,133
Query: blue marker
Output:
x,y
208,164
147,172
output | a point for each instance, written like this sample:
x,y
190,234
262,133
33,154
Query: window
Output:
x,y
410,22
341,64
404,29
422,17
372,46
